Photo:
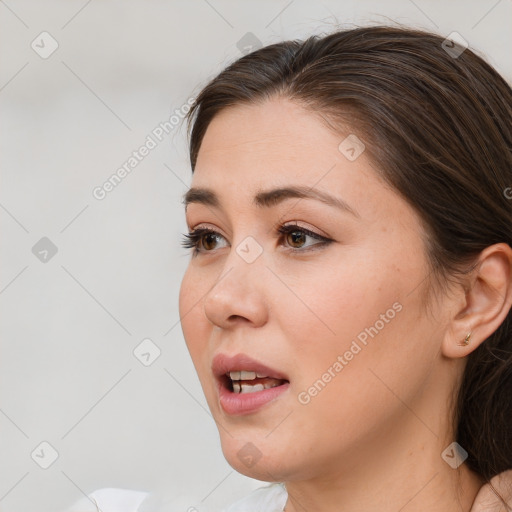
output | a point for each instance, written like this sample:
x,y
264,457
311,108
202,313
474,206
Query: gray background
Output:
x,y
71,322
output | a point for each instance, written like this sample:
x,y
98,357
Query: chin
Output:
x,y
251,459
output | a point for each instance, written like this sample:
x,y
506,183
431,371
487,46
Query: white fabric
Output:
x,y
110,500
269,498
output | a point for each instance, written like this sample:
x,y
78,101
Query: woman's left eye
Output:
x,y
294,235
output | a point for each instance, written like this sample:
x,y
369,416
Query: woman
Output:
x,y
347,302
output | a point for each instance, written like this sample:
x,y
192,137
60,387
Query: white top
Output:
x,y
110,500
269,498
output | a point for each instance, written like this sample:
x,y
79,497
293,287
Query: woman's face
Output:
x,y
343,363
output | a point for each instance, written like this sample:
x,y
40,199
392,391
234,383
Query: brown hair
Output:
x,y
439,129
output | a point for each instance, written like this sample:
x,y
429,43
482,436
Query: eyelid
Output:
x,y
279,229
313,231
191,240
322,240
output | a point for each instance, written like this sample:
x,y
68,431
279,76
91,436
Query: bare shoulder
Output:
x,y
496,496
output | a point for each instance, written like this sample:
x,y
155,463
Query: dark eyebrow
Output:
x,y
269,198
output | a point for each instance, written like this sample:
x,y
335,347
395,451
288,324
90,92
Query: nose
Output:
x,y
238,295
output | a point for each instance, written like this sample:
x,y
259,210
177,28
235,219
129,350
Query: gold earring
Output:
x,y
465,341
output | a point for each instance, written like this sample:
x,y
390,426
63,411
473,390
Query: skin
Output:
x,y
372,438
487,499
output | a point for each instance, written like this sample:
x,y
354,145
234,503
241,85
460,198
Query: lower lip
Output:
x,y
246,403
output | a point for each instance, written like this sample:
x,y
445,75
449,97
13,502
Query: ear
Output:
x,y
482,306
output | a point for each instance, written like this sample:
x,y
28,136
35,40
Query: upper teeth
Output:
x,y
245,375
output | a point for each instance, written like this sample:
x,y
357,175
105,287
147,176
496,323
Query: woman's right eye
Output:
x,y
200,240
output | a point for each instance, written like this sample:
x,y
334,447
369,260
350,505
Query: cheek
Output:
x,y
195,326
335,302
368,317
191,311
359,307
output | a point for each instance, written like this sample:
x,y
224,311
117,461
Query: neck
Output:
x,y
388,474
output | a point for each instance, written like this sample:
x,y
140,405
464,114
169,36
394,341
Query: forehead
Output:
x,y
276,141
275,127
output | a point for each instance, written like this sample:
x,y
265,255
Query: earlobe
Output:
x,y
457,345
484,303
465,341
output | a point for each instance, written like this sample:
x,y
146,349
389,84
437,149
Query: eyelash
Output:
x,y
191,240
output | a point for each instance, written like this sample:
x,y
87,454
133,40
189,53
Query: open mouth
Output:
x,y
244,381
245,385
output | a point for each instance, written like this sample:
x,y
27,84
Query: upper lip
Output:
x,y
223,364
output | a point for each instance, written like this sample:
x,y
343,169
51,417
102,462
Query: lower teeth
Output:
x,y
252,388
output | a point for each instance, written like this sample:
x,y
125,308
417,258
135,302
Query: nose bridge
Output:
x,y
239,290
